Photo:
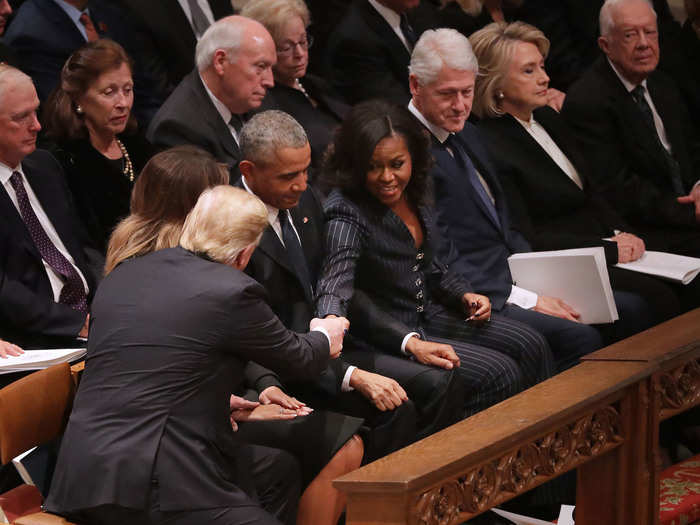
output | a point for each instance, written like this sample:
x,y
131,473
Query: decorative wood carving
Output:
x,y
519,470
680,388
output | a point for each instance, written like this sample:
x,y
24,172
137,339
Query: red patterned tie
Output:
x,y
73,292
89,27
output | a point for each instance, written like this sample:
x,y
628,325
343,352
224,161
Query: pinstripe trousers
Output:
x,y
498,359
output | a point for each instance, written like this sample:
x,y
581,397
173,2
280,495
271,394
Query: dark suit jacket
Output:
x,y
43,36
101,191
631,170
482,244
366,59
170,331
8,56
270,266
548,207
167,27
28,313
371,250
188,116
319,122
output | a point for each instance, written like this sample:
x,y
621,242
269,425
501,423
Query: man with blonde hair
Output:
x,y
234,60
633,124
172,333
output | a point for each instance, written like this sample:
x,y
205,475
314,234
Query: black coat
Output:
x,y
101,191
629,168
365,59
189,116
548,207
169,337
166,26
28,313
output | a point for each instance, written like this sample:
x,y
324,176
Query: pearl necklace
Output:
x,y
128,167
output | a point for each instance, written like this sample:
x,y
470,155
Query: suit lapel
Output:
x,y
375,21
485,172
213,119
633,120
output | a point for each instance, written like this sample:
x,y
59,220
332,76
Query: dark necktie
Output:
x,y
90,30
466,163
295,253
236,122
674,170
73,292
200,22
408,32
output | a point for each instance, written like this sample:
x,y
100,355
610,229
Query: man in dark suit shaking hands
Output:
x,y
631,120
374,385
172,332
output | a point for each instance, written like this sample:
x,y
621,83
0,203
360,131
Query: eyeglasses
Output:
x,y
288,47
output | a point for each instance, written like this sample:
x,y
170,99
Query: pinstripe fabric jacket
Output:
x,y
370,249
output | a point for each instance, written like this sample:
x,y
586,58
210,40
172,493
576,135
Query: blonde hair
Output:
x,y
224,222
164,193
274,14
493,46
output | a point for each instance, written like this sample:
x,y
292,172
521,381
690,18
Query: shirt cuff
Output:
x,y
522,297
696,183
345,386
405,341
324,332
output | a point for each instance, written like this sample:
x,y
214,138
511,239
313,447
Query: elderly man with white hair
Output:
x,y
234,60
632,122
471,203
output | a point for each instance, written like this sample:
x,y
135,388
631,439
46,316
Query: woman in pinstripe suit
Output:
x,y
382,239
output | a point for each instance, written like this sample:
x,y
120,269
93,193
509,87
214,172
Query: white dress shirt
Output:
x,y
393,19
206,9
74,14
54,278
222,109
518,296
550,147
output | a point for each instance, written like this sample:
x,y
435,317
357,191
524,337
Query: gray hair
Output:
x,y
606,21
267,132
224,222
10,76
226,34
441,47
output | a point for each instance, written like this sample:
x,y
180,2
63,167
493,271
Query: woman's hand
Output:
x,y
478,307
262,413
274,395
432,354
7,349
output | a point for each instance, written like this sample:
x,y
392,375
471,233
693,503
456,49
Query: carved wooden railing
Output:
x,y
600,417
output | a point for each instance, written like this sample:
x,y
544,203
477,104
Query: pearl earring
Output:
x,y
500,95
78,109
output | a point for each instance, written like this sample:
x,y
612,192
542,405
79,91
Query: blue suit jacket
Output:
x,y
483,244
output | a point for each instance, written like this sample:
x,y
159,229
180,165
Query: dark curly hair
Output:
x,y
346,162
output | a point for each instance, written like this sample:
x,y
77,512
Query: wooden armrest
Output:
x,y
42,518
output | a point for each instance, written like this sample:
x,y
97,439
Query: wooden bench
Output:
x,y
600,417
